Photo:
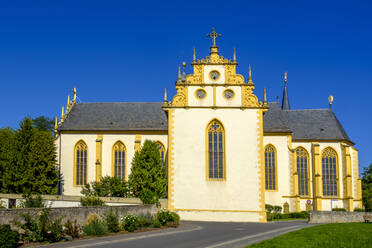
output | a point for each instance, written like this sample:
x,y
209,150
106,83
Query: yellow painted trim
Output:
x,y
277,133
137,143
218,210
74,164
276,168
113,159
214,96
99,141
323,141
337,170
170,159
207,152
317,177
261,164
141,132
308,170
219,75
214,107
196,96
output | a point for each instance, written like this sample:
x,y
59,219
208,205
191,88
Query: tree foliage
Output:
x,y
43,123
147,171
27,160
107,187
367,188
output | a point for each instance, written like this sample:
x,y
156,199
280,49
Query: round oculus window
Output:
x,y
228,94
214,75
200,93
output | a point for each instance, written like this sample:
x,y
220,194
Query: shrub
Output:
x,y
8,237
338,209
358,210
107,187
41,228
165,216
112,221
91,201
144,221
269,208
147,171
130,223
72,229
148,197
299,215
32,201
156,223
95,228
277,209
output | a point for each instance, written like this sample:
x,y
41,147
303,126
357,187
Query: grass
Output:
x,y
343,235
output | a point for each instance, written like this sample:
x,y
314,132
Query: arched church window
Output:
x,y
119,160
161,149
302,162
216,151
329,171
80,163
270,168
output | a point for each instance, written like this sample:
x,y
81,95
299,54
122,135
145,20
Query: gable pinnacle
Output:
x,y
285,100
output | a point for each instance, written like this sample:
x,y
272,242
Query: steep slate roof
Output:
x,y
308,124
274,119
116,116
318,124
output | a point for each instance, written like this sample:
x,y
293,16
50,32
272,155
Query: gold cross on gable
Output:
x,y
213,35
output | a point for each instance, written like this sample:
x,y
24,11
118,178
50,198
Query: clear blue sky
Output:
x,y
130,51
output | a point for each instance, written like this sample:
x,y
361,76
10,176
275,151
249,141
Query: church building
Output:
x,y
227,153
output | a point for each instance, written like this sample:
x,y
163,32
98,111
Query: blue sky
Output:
x,y
130,51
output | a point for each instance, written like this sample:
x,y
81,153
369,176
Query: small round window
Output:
x,y
228,94
200,94
214,75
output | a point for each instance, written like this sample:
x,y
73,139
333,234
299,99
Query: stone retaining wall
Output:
x,y
337,216
81,214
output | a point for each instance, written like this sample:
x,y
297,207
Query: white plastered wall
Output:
x,y
68,142
240,191
277,197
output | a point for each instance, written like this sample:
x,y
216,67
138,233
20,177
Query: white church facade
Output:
x,y
227,153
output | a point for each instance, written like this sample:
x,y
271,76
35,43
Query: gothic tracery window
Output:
x,y
270,168
216,150
161,149
81,163
119,160
329,172
302,162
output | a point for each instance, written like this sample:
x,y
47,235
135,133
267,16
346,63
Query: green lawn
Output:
x,y
358,235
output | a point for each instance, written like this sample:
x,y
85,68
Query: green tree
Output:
x,y
7,137
16,175
367,188
147,171
29,164
43,123
42,164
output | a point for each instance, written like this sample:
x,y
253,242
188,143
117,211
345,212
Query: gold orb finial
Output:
x,y
330,99
184,64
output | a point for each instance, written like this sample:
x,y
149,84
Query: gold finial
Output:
x,y
179,72
74,91
265,97
234,55
55,124
183,64
68,101
165,95
285,77
194,55
330,100
250,74
63,114
213,36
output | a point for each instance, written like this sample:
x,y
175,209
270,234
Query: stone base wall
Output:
x,y
81,214
338,216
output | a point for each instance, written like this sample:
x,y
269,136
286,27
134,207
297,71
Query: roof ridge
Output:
x,y
306,109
